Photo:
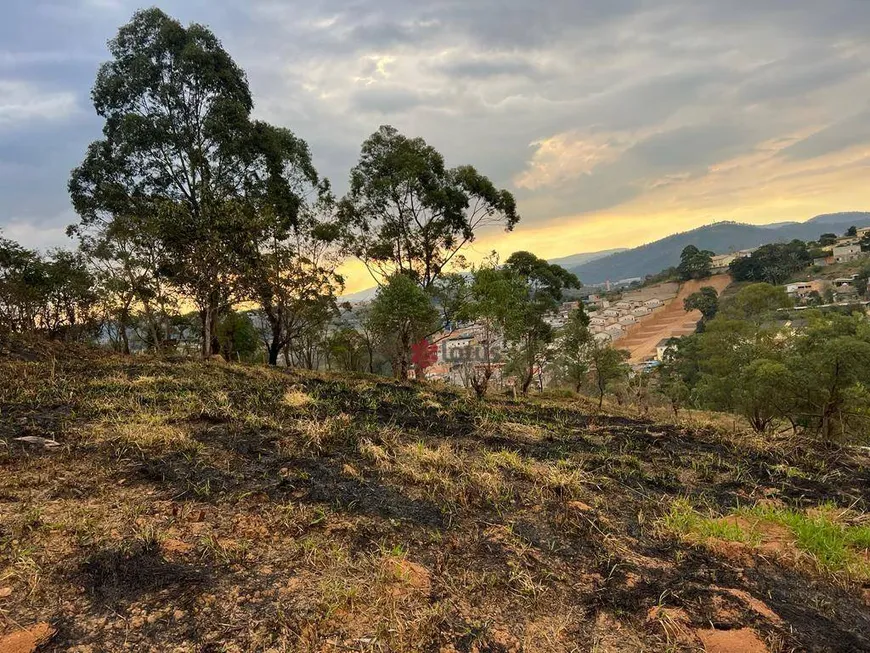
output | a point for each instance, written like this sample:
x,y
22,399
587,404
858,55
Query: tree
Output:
x,y
293,277
827,240
671,382
494,298
20,273
51,294
705,300
347,349
760,393
851,232
401,314
181,154
407,213
237,337
756,302
608,367
573,357
695,263
528,331
772,264
830,367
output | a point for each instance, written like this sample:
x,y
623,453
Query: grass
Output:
x,y
298,511
685,520
837,547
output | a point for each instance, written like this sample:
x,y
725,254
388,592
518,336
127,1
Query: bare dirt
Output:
x,y
201,508
671,321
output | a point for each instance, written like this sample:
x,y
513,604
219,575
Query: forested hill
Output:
x,y
720,237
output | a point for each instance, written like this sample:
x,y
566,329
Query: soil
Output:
x,y
742,640
670,321
191,508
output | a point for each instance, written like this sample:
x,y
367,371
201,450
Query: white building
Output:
x,y
641,311
846,253
610,312
614,330
602,337
653,303
627,320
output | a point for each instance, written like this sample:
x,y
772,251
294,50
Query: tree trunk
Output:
x,y
274,347
274,351
207,328
527,380
122,327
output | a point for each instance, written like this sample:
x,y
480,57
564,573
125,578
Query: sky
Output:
x,y
614,122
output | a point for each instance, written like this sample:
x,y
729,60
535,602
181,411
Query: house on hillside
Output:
x,y
610,312
623,305
641,311
803,289
823,262
846,253
627,320
653,303
614,331
602,338
720,262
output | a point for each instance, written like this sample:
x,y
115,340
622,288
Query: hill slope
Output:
x,y
199,507
720,238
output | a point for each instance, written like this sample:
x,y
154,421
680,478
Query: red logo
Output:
x,y
423,354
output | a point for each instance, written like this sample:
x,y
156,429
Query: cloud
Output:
x,y
565,157
619,117
22,102
843,135
386,100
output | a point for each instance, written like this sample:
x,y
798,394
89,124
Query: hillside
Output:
x,y
720,237
206,507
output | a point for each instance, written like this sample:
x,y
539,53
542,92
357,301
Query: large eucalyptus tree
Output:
x,y
180,158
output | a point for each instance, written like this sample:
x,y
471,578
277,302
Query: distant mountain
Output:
x,y
361,296
849,218
721,237
579,259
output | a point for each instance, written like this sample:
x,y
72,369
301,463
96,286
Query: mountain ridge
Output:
x,y
720,237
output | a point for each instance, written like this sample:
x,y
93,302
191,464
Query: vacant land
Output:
x,y
203,507
671,321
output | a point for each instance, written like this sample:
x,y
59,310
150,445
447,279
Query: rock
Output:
x,y
5,591
38,441
28,640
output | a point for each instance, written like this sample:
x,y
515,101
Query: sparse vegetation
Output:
x,y
196,503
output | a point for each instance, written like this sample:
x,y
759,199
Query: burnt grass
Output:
x,y
203,507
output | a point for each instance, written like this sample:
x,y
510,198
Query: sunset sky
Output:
x,y
615,122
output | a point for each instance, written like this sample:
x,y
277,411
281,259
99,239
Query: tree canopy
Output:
x,y
181,159
407,212
694,263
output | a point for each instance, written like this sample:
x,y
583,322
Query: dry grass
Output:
x,y
199,507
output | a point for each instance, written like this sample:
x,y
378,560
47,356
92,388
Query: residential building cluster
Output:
x,y
845,250
613,319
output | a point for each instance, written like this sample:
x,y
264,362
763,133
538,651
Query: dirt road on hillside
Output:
x,y
669,322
